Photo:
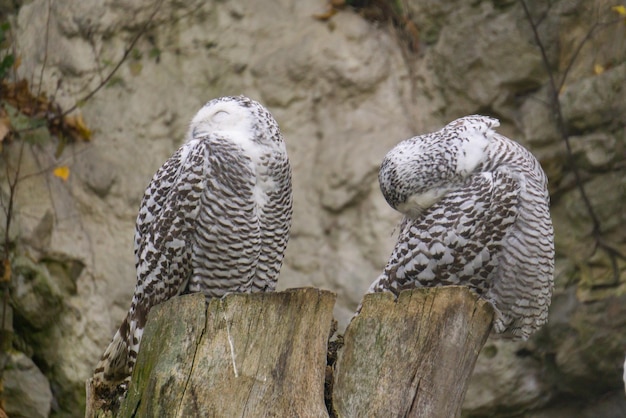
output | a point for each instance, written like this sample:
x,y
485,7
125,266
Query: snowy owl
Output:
x,y
476,209
215,219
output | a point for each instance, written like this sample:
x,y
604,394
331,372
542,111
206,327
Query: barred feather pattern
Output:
x,y
476,211
215,219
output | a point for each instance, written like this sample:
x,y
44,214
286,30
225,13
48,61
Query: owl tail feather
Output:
x,y
116,364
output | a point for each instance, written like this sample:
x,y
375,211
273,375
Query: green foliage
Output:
x,y
7,61
22,122
4,28
6,64
136,54
115,81
31,130
155,53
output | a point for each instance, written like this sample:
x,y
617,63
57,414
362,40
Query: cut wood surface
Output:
x,y
411,357
245,355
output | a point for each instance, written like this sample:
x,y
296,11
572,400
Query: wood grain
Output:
x,y
411,357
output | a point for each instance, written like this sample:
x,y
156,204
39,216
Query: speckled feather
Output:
x,y
477,214
215,219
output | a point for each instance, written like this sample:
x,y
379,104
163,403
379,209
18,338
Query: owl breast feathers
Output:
x,y
214,219
476,209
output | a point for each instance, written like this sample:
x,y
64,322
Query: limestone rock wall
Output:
x,y
344,91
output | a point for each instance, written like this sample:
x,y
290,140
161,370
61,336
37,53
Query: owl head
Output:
x,y
236,117
420,171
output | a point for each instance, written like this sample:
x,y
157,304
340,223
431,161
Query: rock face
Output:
x,y
26,389
344,91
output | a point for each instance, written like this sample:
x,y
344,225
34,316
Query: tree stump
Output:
x,y
411,357
253,355
265,354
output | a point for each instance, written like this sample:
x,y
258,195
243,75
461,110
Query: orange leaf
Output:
x,y
76,123
62,172
598,69
5,125
620,10
6,276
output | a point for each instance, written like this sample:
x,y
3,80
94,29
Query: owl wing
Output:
x,y
165,226
455,241
162,250
275,223
524,281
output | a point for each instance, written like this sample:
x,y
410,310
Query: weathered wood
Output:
x,y
253,355
95,407
411,357
265,355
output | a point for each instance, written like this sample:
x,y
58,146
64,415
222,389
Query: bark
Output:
x,y
265,354
262,354
411,357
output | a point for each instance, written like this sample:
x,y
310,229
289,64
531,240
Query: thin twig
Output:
x,y
7,237
562,128
587,37
558,113
45,54
127,52
51,166
12,195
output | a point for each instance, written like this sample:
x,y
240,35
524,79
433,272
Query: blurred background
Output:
x,y
96,95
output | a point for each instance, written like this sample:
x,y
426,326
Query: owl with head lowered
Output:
x,y
476,213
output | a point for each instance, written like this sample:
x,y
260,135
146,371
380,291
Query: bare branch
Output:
x,y
45,55
596,26
562,128
558,113
50,167
12,195
6,276
127,52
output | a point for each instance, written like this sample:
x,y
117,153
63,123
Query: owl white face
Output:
x,y
241,120
225,115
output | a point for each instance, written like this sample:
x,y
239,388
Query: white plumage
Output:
x,y
215,219
624,375
477,214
